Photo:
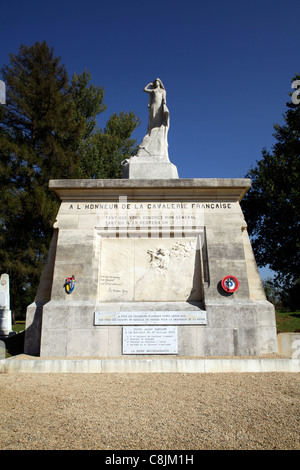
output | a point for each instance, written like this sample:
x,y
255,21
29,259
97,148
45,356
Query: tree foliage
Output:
x,y
272,206
103,151
48,130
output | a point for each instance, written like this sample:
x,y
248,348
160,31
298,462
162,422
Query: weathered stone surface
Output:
x,y
140,245
217,187
141,270
289,345
143,166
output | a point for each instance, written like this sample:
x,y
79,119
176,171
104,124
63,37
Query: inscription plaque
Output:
x,y
150,340
155,317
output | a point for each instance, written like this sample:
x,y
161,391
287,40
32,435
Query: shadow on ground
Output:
x,y
14,344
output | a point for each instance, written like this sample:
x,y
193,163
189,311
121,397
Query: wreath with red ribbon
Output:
x,y
230,284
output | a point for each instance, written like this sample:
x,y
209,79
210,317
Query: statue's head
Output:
x,y
157,83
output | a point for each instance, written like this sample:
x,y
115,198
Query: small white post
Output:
x,y
5,312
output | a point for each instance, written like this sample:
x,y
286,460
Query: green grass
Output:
x,y
287,322
19,326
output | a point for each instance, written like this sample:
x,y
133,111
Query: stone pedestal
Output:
x,y
148,258
153,167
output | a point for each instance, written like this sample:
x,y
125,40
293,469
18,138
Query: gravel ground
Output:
x,y
149,411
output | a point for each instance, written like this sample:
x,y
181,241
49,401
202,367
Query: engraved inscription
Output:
x,y
110,280
150,340
154,317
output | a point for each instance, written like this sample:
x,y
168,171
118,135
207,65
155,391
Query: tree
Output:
x,y
100,150
272,206
272,292
88,103
38,138
47,131
106,148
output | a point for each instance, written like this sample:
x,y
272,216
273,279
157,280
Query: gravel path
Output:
x,y
150,411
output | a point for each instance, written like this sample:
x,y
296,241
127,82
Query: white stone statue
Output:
x,y
5,312
158,111
152,158
155,143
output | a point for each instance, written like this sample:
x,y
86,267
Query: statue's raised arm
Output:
x,y
146,88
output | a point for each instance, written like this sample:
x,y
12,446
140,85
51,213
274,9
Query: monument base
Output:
x,y
149,258
88,329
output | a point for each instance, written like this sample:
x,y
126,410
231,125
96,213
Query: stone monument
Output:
x,y
5,312
150,264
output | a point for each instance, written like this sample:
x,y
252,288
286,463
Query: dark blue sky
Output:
x,y
227,67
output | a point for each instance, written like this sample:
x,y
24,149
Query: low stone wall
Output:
x,y
149,365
